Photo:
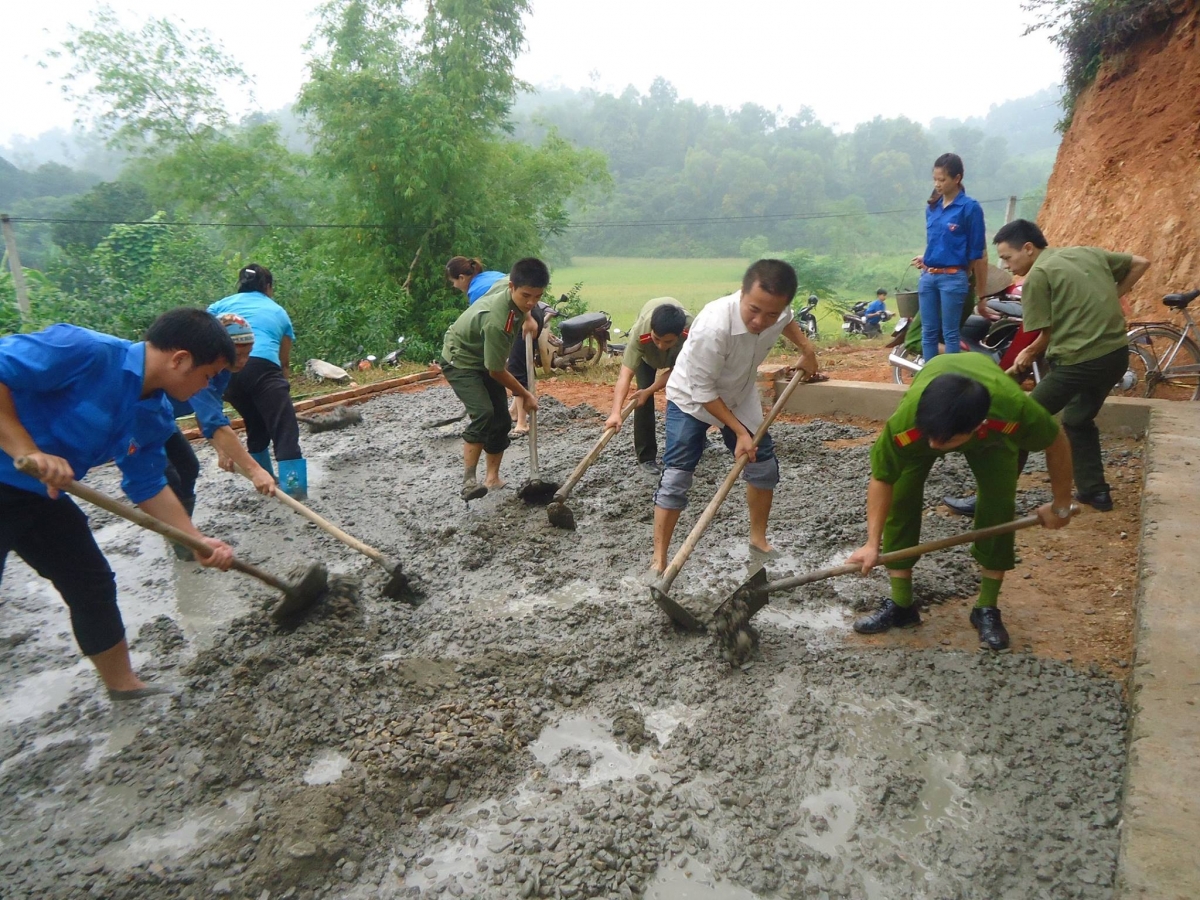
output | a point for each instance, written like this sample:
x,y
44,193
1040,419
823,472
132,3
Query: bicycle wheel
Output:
x,y
903,374
1161,367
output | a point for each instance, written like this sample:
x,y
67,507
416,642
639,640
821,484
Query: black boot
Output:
x,y
964,506
888,616
1101,501
992,632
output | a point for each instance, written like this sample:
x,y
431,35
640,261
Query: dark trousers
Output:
x,y
486,401
1078,392
261,395
183,468
645,443
53,537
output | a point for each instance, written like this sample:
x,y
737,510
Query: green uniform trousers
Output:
x,y
645,441
487,405
1078,392
995,470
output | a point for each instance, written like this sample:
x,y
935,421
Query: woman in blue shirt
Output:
x,y
260,392
467,275
955,245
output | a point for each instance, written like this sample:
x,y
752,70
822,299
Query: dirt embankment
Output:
x,y
1128,171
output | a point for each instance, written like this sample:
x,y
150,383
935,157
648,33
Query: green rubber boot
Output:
x,y
263,458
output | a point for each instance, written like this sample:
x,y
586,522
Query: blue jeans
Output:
x,y
685,443
941,298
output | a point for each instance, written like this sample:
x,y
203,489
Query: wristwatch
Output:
x,y
1063,512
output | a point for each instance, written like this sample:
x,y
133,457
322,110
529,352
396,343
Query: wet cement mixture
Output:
x,y
535,727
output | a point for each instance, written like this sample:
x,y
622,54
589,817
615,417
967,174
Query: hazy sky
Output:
x,y
850,60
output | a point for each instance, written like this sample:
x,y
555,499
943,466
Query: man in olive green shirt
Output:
x,y
963,402
474,358
1072,295
654,344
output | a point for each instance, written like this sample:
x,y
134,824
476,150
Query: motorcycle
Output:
x,y
1001,338
584,339
855,321
806,318
393,359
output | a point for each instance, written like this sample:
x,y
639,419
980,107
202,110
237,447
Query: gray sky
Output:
x,y
850,60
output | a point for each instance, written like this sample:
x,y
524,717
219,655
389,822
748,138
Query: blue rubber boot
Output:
x,y
293,478
263,458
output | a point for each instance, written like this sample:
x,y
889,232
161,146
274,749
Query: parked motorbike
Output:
x,y
584,339
361,363
855,321
1001,338
806,318
393,359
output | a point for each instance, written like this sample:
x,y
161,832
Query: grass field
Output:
x,y
621,285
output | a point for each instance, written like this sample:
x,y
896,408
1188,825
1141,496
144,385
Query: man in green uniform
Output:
x,y
1072,294
654,344
474,357
962,402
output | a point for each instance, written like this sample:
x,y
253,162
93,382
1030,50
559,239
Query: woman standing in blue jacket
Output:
x,y
468,276
260,392
955,245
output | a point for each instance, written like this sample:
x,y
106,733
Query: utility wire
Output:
x,y
635,223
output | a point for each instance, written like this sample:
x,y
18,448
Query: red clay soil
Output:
x,y
1128,172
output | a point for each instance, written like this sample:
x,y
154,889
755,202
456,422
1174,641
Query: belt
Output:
x,y
949,270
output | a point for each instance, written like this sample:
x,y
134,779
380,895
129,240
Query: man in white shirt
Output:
x,y
714,382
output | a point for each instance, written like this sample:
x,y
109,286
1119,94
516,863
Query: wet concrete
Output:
x,y
535,728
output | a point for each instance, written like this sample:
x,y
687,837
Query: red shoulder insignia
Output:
x,y
645,338
999,425
509,324
684,334
907,437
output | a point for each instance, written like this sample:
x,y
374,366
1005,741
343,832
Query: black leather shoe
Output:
x,y
992,632
964,506
888,616
1098,500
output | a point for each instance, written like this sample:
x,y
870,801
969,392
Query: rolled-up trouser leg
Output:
x,y
53,537
645,443
685,444
487,405
763,473
903,526
995,470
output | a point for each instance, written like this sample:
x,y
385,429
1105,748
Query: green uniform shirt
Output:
x,y
1073,292
482,337
1013,416
641,349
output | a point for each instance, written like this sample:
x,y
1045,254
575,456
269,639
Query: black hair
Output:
x,y
254,278
952,165
194,330
774,276
668,319
529,272
1020,232
881,291
952,405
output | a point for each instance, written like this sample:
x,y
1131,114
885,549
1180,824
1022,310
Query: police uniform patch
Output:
x,y
999,425
645,338
907,437
512,314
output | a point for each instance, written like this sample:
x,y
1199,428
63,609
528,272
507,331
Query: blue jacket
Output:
x,y
208,406
954,234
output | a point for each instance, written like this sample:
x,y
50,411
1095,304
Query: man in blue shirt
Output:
x,y
875,310
71,399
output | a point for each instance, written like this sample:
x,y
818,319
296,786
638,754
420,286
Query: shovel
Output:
x,y
297,598
559,513
658,592
735,611
397,585
534,491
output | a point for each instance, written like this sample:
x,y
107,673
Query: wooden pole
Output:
x,y
14,263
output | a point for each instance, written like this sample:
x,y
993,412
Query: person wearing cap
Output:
x,y
875,310
72,399
655,342
183,468
260,391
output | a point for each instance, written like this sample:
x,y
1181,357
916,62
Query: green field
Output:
x,y
621,285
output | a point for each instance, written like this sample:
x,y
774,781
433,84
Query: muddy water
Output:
x,y
535,728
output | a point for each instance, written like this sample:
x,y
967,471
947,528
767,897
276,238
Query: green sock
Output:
x,y
902,591
989,592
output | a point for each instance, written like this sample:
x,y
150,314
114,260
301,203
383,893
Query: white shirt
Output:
x,y
720,359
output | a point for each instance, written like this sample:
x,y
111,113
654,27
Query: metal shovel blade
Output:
x,y
303,595
675,612
560,515
735,610
536,492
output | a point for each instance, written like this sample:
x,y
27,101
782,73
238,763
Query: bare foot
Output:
x,y
494,484
520,431
769,553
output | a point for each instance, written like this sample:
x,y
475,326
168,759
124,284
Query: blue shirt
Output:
x,y
481,284
268,321
954,234
79,395
208,406
875,310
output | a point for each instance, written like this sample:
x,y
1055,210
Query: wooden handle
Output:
x,y
565,491
145,520
324,524
710,512
533,455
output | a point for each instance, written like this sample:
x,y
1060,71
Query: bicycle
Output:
x,y
1164,362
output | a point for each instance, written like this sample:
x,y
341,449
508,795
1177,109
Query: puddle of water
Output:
x,y
812,618
194,831
565,597
696,882
663,721
326,768
609,761
840,810
41,693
